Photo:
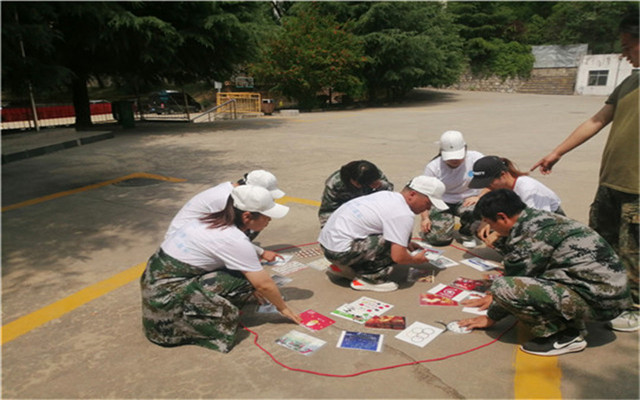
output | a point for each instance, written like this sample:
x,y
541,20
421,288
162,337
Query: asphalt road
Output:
x,y
79,224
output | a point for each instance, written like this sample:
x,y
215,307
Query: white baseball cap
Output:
x,y
431,187
267,180
257,199
452,146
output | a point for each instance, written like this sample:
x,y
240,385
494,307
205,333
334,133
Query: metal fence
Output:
x,y
21,118
245,102
228,106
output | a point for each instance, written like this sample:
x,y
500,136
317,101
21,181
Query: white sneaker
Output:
x,y
470,244
359,284
626,322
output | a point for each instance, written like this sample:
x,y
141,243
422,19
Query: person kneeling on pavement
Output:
x,y
198,280
368,234
558,273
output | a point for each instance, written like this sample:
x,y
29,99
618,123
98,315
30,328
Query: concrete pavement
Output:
x,y
73,249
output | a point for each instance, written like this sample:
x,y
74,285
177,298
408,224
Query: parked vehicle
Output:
x,y
171,102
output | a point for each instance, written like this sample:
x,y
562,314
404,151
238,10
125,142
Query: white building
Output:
x,y
599,74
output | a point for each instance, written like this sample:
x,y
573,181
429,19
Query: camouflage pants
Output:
x,y
614,215
545,306
443,222
370,258
182,304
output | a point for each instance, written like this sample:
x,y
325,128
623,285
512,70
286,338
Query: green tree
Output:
x,y
492,33
408,44
310,53
135,43
594,23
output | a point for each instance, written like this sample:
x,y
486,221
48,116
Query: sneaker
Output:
x,y
359,284
626,322
470,244
568,341
339,272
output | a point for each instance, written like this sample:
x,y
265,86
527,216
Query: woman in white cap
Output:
x,y
493,173
215,199
196,283
453,166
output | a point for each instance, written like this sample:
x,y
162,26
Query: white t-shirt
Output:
x,y
384,212
212,249
536,195
456,180
209,201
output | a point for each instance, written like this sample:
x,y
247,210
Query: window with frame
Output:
x,y
598,78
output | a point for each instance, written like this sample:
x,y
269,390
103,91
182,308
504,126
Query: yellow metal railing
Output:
x,y
245,102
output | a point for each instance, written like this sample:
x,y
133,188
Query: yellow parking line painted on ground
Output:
x,y
90,187
535,377
48,313
289,199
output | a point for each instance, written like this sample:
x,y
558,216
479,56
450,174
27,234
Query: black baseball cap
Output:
x,y
485,170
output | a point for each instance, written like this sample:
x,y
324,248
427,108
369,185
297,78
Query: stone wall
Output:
x,y
542,81
488,84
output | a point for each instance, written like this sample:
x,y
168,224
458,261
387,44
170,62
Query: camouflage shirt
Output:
x,y
336,193
553,247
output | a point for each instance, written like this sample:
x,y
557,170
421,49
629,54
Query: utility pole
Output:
x,y
33,102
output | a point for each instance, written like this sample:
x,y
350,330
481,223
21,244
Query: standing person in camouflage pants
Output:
x,y
614,213
369,233
558,273
194,286
352,180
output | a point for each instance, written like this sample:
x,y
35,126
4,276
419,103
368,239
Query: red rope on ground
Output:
x,y
255,341
294,246
466,250
306,371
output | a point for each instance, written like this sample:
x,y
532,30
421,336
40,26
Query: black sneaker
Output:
x,y
567,341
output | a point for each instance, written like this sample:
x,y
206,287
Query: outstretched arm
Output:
x,y
581,134
267,289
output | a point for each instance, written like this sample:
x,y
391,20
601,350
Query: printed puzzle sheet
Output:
x,y
430,299
431,253
480,264
300,342
419,334
360,341
362,309
443,262
315,321
279,261
386,322
289,268
449,292
470,284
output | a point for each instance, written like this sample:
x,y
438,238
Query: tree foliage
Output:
x,y
312,52
491,32
594,23
408,44
405,45
135,43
